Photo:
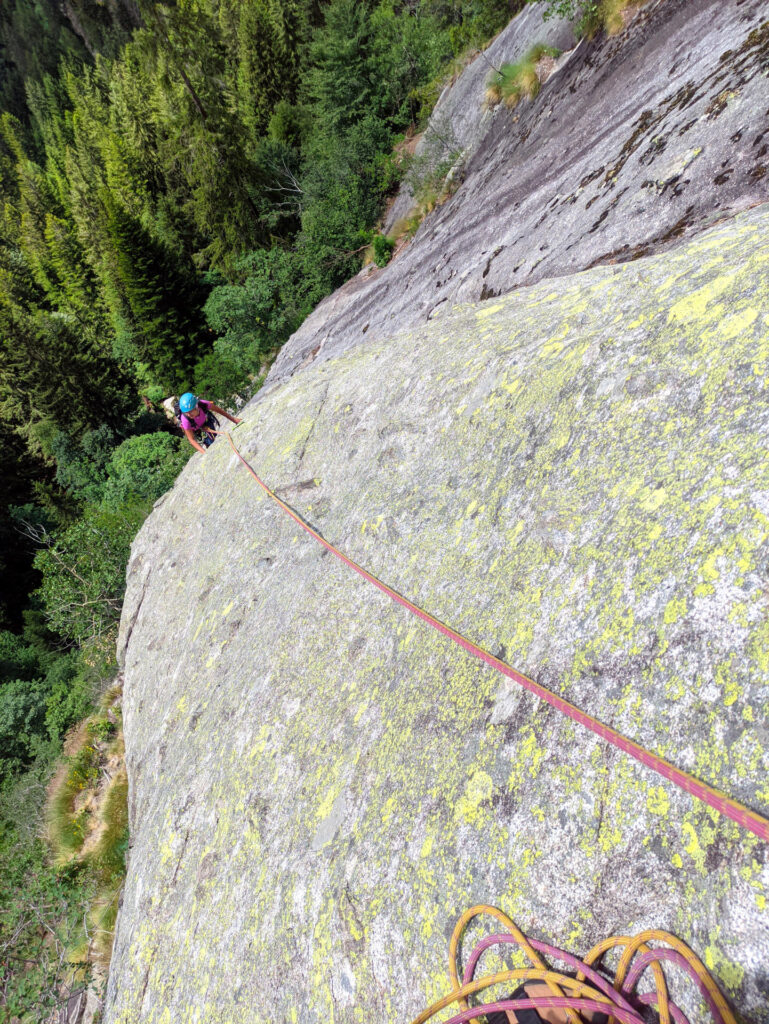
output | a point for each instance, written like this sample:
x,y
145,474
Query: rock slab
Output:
x,y
576,477
638,142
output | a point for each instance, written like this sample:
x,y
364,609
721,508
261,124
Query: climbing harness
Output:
x,y
204,434
587,990
733,809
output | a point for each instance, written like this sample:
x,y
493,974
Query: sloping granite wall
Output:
x,y
576,476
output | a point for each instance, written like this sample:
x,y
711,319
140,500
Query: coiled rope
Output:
x,y
587,990
733,809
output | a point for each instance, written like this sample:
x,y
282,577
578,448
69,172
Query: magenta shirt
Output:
x,y
200,419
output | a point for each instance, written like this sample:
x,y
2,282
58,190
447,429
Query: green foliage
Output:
x,y
101,729
42,694
143,468
83,571
52,370
345,189
83,768
339,81
81,467
155,393
30,516
256,315
41,909
409,47
162,303
383,249
83,566
18,660
70,694
290,123
220,379
265,71
514,81
18,472
66,827
22,718
190,133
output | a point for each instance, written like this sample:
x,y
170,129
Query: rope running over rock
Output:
x,y
733,809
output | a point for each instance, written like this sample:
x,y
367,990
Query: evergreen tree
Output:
x,y
18,472
76,287
339,82
263,39
35,36
201,145
37,225
163,304
52,371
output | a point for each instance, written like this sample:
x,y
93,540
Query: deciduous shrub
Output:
x,y
83,570
41,912
220,379
69,694
143,468
382,247
18,660
22,718
257,314
81,465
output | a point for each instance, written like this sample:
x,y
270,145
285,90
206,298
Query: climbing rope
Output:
x,y
587,990
733,809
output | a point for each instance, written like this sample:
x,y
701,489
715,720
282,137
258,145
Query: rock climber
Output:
x,y
198,420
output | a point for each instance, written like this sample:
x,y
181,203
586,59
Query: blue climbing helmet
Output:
x,y
187,402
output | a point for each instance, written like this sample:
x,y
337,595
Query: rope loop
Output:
x,y
584,991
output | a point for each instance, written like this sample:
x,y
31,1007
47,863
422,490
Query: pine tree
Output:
x,y
53,373
36,223
263,39
162,303
339,82
76,286
18,472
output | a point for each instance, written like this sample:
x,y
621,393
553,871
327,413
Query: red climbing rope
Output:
x,y
748,819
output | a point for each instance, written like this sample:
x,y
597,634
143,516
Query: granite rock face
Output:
x,y
638,142
460,119
576,477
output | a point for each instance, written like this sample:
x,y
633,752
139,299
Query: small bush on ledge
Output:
x,y
514,81
382,247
